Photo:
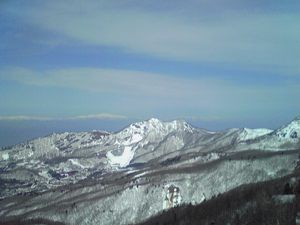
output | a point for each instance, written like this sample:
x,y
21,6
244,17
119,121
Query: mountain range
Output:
x,y
129,176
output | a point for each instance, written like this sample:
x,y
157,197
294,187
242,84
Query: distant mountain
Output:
x,y
284,138
128,176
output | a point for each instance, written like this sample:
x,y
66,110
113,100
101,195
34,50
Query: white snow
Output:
x,y
44,174
133,139
30,154
141,174
210,132
171,197
5,156
76,163
177,125
139,134
126,138
112,198
122,160
287,131
249,134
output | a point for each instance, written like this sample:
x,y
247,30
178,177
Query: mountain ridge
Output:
x,y
105,171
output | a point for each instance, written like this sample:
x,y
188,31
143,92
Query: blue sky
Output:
x,y
216,63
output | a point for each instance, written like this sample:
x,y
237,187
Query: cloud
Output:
x,y
24,118
101,116
138,93
221,34
110,81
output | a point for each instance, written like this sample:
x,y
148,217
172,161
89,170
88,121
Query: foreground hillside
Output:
x,y
270,202
132,175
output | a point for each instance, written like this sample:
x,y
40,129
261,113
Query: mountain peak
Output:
x,y
156,123
181,124
154,120
291,130
143,128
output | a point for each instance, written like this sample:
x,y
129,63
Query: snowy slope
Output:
x,y
146,135
289,132
249,134
283,138
60,159
91,177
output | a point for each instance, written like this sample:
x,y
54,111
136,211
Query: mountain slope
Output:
x,y
270,202
92,177
283,138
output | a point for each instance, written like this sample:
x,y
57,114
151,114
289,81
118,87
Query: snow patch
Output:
x,y
210,132
30,154
122,160
141,174
5,156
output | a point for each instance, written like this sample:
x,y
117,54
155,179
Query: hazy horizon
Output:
x,y
18,131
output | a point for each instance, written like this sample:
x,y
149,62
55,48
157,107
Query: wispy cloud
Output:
x,y
112,81
24,118
144,93
101,116
264,40
249,36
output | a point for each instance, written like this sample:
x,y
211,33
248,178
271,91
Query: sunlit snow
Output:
x,y
122,160
5,156
249,134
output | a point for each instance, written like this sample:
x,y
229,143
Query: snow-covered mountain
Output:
x,y
92,177
283,138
